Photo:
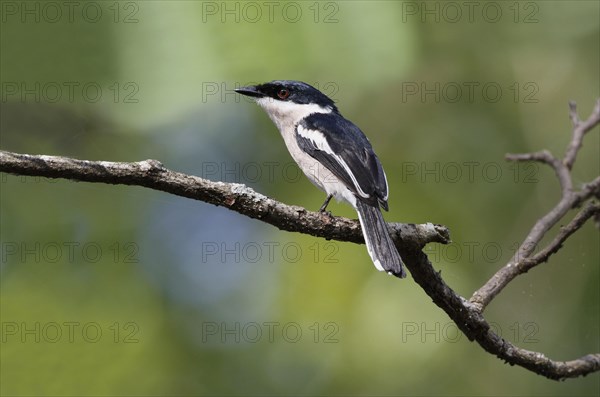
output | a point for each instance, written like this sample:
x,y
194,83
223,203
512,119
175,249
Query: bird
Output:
x,y
335,155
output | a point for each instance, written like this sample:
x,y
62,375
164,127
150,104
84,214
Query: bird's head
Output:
x,y
288,101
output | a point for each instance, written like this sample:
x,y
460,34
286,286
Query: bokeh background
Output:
x,y
114,290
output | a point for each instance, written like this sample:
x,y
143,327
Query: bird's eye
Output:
x,y
283,93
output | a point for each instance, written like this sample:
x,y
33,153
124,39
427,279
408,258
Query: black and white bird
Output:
x,y
335,155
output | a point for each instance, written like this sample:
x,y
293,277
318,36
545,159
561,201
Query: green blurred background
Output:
x,y
113,290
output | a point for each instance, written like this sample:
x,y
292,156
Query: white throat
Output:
x,y
288,114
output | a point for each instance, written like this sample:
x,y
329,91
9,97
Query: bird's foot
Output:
x,y
325,204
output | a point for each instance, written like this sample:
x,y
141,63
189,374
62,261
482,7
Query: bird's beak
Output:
x,y
250,91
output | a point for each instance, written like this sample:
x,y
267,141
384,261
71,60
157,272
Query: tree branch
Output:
x,y
471,322
569,200
516,265
409,238
237,197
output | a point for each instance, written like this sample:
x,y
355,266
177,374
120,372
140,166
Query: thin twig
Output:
x,y
591,209
545,157
579,130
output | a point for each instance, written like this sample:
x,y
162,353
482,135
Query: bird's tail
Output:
x,y
384,254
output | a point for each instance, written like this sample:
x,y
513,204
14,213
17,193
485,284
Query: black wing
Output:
x,y
343,148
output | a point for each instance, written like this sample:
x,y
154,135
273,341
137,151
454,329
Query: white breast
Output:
x,y
286,116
